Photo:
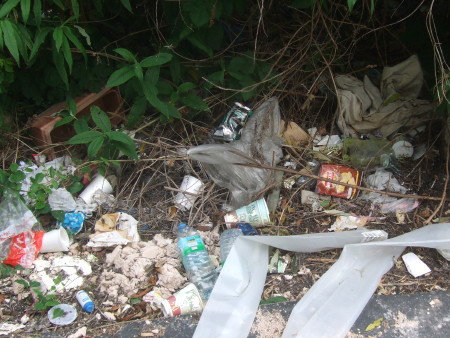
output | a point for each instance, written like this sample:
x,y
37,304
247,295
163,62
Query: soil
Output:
x,y
146,190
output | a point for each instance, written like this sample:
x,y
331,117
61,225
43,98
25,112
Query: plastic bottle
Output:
x,y
196,261
85,301
227,239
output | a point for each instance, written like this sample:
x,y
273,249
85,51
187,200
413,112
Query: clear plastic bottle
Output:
x,y
196,261
227,239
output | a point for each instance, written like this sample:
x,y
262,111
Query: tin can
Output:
x,y
231,127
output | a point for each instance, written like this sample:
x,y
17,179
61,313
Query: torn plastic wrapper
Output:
x,y
334,302
259,143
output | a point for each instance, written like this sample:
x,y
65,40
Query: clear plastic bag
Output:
x,y
258,144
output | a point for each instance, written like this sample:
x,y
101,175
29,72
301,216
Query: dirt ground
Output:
x,y
146,190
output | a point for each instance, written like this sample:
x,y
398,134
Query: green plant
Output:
x,y
44,300
39,186
102,141
8,270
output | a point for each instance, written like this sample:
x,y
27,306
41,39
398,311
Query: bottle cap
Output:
x,y
88,307
181,226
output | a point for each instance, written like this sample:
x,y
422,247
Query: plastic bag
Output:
x,y
24,248
334,302
258,144
16,219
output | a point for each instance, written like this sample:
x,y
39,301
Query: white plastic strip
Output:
x,y
334,302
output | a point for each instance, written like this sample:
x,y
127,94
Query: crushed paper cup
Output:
x,y
185,301
415,265
193,186
98,183
256,213
55,241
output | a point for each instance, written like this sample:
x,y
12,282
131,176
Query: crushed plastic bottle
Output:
x,y
227,239
196,261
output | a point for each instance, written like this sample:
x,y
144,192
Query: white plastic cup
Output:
x,y
256,213
193,186
55,241
98,183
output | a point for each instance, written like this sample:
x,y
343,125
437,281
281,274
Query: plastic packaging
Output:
x,y
367,153
247,229
199,267
333,303
24,248
227,239
73,222
61,199
85,301
259,143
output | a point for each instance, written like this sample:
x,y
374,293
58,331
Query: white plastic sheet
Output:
x,y
333,303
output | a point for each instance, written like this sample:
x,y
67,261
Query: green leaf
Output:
x,y
151,76
17,177
139,72
351,4
39,178
185,87
85,137
126,4
175,70
137,111
200,44
58,313
39,40
126,54
37,10
276,299
194,101
156,60
216,78
374,325
76,42
124,142
58,60
94,147
80,126
73,109
58,36
372,6
34,284
100,119
75,187
76,9
67,53
135,300
242,65
65,120
7,7
40,306
22,282
83,33
10,39
120,76
51,303
59,215
25,6
59,4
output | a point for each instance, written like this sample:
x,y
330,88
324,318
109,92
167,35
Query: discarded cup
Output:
x,y
98,183
62,314
256,213
190,188
185,301
55,241
403,149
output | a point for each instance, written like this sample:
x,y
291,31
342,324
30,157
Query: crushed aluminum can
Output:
x,y
231,126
